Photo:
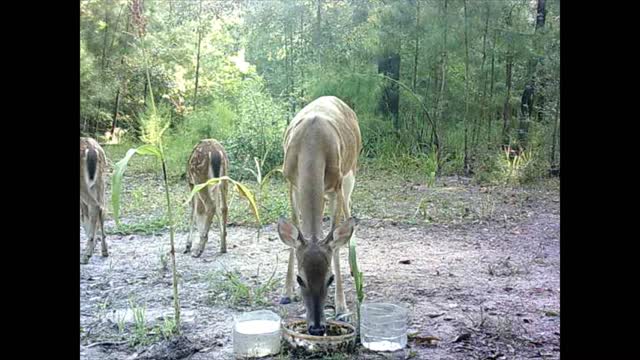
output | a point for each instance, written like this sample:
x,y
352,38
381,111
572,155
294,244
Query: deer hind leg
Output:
x,y
204,216
348,183
187,247
289,281
105,251
90,222
222,216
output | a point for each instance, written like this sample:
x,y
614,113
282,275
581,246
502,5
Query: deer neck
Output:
x,y
310,197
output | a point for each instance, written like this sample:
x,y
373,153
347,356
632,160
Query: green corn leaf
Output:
x,y
118,173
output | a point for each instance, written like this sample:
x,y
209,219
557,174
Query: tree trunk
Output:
x,y
286,61
195,92
506,110
115,112
417,44
318,29
144,94
103,62
555,131
301,46
528,93
483,81
444,65
291,58
466,161
118,91
490,113
389,65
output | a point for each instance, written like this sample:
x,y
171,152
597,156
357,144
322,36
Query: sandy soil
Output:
x,y
487,289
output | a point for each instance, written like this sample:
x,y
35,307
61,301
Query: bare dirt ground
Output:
x,y
487,287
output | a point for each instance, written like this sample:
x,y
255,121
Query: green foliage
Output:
x,y
258,63
241,189
168,327
258,130
213,121
140,334
232,288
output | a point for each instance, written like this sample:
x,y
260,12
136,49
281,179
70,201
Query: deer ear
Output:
x,y
289,234
341,235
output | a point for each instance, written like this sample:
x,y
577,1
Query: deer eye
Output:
x,y
300,282
330,281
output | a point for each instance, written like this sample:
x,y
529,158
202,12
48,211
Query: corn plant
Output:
x,y
153,127
242,190
262,181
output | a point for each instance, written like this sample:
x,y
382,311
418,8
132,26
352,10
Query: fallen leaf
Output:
x,y
406,262
427,340
463,337
435,315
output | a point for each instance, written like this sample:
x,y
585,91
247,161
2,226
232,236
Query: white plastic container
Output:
x,y
383,326
256,334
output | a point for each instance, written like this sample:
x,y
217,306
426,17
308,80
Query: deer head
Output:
x,y
314,267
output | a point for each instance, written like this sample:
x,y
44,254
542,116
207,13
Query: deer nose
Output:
x,y
316,330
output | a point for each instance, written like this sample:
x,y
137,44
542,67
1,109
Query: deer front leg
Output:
x,y
289,281
187,247
90,222
338,206
339,211
105,251
294,207
288,286
341,304
204,216
222,217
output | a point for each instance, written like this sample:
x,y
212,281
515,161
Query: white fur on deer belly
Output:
x,y
254,327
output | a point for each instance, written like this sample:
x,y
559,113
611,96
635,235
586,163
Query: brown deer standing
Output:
x,y
92,194
208,160
321,148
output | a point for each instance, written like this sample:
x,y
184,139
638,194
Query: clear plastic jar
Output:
x,y
383,326
256,334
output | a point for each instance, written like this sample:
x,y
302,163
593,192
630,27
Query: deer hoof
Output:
x,y
84,260
197,254
285,300
105,253
186,250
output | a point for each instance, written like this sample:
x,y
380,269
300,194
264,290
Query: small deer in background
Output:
x,y
208,160
92,194
321,148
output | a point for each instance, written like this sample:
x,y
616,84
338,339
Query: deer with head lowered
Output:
x,y
321,148
92,194
208,160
